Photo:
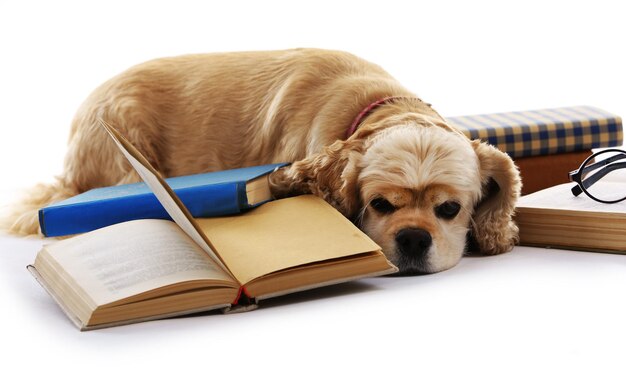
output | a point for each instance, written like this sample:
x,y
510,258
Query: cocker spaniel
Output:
x,y
384,158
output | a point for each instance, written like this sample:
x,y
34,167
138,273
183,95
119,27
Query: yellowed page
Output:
x,y
284,234
130,258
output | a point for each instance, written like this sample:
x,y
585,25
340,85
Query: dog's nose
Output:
x,y
414,242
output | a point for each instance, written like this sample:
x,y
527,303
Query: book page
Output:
x,y
130,258
560,197
283,234
164,193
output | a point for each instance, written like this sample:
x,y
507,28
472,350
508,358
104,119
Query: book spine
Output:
x,y
203,201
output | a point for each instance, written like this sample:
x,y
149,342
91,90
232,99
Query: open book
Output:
x,y
553,217
146,269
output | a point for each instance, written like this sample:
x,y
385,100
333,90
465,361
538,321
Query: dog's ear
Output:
x,y
331,175
493,230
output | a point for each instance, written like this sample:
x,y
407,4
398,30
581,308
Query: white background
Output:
x,y
528,312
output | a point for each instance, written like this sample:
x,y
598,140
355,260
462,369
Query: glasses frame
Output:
x,y
576,176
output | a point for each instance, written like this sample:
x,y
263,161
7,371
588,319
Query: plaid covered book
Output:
x,y
544,132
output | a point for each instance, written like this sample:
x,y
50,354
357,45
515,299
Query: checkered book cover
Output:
x,y
544,132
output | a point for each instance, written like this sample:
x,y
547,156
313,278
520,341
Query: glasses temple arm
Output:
x,y
602,163
588,182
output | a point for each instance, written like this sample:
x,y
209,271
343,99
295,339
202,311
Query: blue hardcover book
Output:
x,y
205,195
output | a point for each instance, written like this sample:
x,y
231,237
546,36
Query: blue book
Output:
x,y
205,195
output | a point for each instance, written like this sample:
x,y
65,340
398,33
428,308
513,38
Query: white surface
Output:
x,y
532,311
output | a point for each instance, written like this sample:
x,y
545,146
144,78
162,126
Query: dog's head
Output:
x,y
421,190
425,188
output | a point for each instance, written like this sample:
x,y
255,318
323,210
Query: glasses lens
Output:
x,y
607,176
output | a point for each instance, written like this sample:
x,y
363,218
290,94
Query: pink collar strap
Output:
x,y
366,111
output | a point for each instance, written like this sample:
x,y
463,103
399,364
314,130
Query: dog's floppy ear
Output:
x,y
331,175
493,230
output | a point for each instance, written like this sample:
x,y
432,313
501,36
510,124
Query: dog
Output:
x,y
357,138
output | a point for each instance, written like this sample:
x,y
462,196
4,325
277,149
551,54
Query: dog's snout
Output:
x,y
414,242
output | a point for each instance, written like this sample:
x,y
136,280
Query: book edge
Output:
x,y
553,245
73,318
83,327
390,270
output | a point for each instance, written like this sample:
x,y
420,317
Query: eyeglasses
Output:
x,y
594,168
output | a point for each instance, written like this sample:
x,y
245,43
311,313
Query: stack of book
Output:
x,y
545,144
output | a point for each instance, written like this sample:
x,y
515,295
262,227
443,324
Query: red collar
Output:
x,y
366,111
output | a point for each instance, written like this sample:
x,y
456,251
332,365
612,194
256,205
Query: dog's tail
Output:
x,y
22,217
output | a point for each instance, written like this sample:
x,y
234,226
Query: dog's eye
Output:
x,y
448,209
382,206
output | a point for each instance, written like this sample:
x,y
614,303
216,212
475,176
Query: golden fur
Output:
x,y
199,113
